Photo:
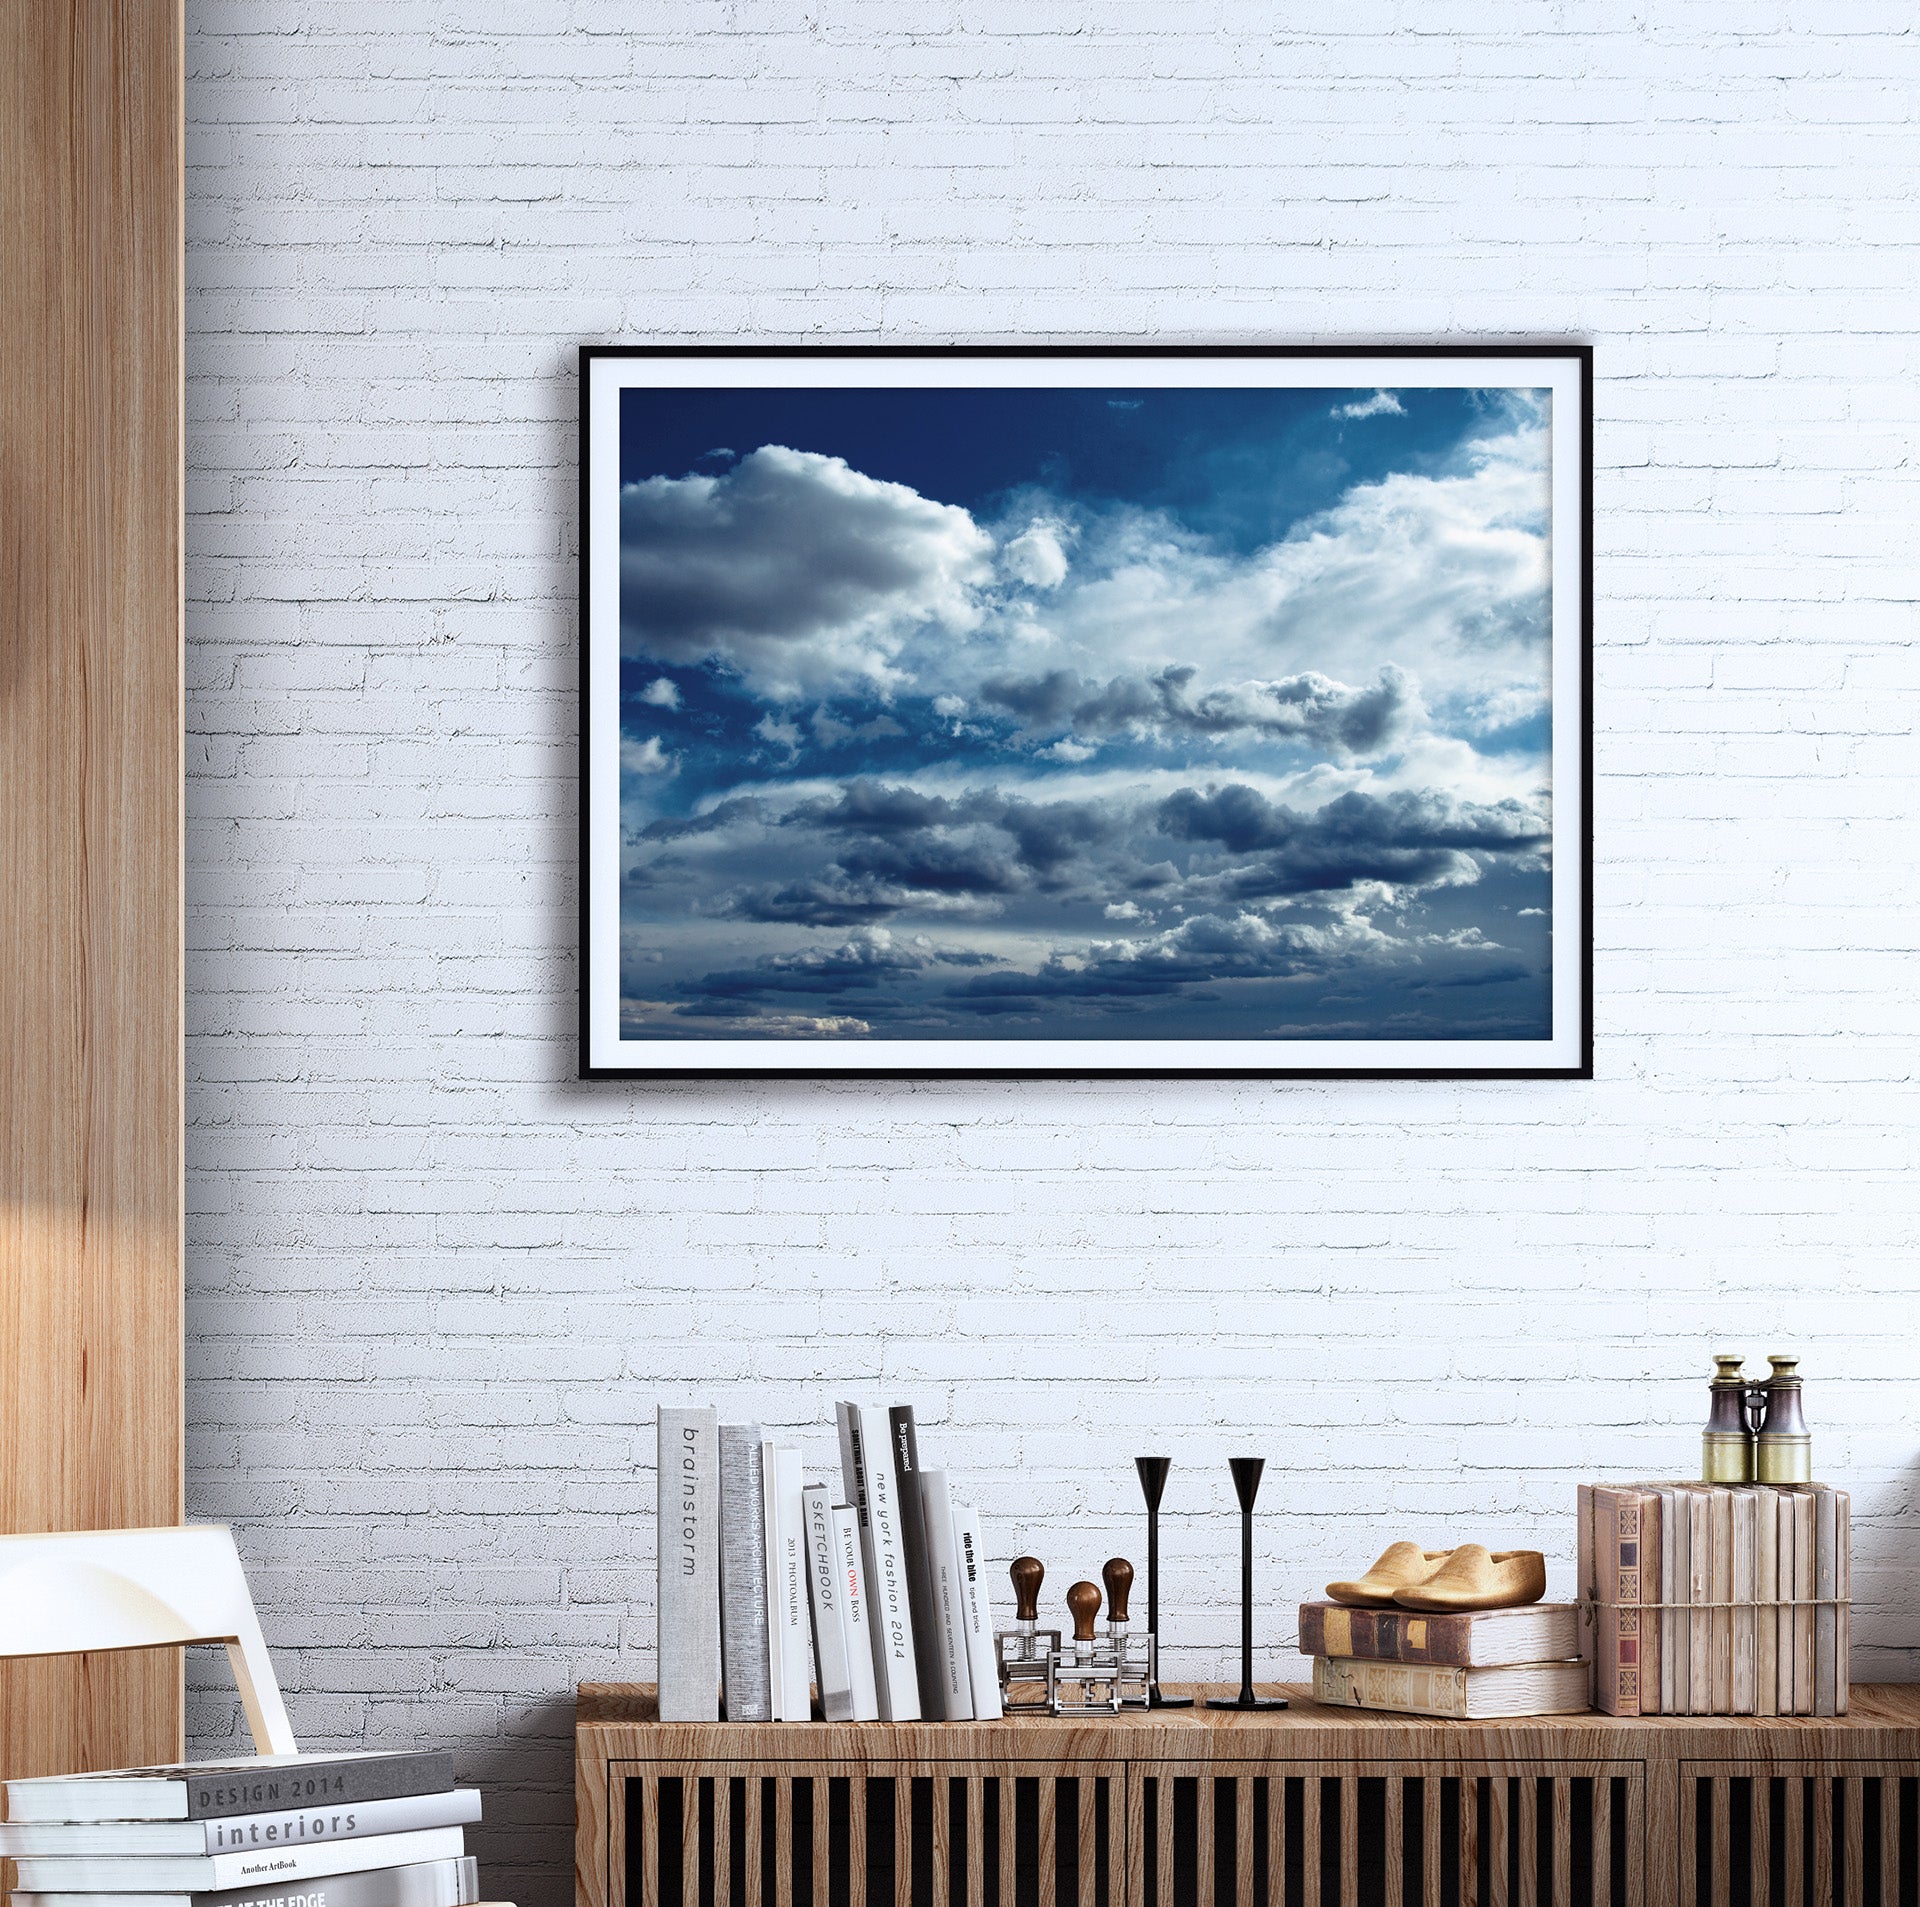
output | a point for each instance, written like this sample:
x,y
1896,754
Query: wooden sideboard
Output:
x,y
1313,1807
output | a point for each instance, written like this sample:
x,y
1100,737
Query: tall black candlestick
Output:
x,y
1153,1480
1246,1483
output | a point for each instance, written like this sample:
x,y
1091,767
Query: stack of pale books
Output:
x,y
354,1830
1467,1666
777,1584
1717,1599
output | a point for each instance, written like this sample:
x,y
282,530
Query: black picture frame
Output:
x,y
689,1060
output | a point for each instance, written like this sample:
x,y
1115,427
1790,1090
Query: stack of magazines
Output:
x,y
1712,1599
382,1830
869,1591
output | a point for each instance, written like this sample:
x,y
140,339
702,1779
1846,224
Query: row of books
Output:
x,y
1717,1599
775,1585
378,1830
1466,1667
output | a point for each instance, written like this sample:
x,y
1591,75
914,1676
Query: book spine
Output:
x,y
1388,1635
1669,1592
1585,1584
1783,1627
943,1583
904,1443
1745,1651
1826,1584
1766,1592
827,1599
796,1637
888,1603
1313,1631
1722,1684
1395,1685
983,1667
423,1884
1804,1520
770,1573
1616,1542
687,1539
1652,1591
744,1647
856,1612
1842,1616
1700,1591
218,1872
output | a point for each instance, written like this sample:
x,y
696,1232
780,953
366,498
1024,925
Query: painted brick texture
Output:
x,y
436,1286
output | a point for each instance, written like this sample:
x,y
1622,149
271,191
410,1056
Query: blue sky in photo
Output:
x,y
1084,714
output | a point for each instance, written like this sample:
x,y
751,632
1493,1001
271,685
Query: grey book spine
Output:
x,y
904,1440
743,1576
828,1600
688,1540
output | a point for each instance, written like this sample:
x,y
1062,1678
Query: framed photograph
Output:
x,y
1086,711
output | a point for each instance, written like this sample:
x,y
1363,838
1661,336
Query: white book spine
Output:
x,y
796,1643
949,1617
977,1608
770,1563
896,1673
1745,1559
1783,1625
687,1541
854,1613
828,1600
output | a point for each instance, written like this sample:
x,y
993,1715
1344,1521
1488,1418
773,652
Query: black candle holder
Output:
x,y
1246,1483
1153,1480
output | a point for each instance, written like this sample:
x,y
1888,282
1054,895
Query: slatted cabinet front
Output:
x,y
1265,1834
1771,1835
894,1834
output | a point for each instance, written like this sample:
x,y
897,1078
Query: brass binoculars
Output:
x,y
1756,1432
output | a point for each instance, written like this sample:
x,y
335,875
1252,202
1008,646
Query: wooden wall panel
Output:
x,y
90,820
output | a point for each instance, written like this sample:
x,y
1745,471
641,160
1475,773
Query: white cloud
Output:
x,y
1037,556
782,734
661,694
1380,404
645,758
797,570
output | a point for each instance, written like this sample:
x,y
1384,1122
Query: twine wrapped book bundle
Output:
x,y
1705,1600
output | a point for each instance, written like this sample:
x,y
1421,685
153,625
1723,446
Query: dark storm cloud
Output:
x,y
677,827
820,903
1408,839
1310,708
863,966
981,842
872,807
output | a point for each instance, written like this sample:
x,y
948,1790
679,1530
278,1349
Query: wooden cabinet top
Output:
x,y
1884,1721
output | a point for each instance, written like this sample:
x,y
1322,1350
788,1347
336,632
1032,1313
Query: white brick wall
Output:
x,y
436,1285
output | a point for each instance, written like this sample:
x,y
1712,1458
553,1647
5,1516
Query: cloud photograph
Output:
x,y
1081,714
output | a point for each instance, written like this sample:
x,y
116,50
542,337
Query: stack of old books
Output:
x,y
1711,1599
1465,1666
381,1830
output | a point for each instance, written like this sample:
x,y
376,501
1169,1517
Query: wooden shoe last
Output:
x,y
1400,1566
1474,1577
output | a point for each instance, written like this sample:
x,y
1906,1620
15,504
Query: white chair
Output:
x,y
100,1590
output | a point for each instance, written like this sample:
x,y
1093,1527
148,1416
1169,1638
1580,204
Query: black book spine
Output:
x,y
913,1539
317,1783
